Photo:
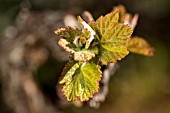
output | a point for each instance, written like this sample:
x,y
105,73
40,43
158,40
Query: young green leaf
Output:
x,y
72,41
140,46
112,53
106,40
111,35
81,81
70,65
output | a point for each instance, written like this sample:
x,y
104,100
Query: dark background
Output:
x,y
141,84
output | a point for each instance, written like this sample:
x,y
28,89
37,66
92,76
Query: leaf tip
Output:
x,y
58,31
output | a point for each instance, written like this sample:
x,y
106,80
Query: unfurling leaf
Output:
x,y
72,41
73,37
85,26
81,81
111,35
140,46
65,45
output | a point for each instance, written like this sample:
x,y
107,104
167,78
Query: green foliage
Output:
x,y
134,44
81,80
112,35
105,40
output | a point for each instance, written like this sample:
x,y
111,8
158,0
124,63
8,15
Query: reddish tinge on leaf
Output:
x,y
140,46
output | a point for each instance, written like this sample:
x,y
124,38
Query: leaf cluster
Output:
x,y
106,40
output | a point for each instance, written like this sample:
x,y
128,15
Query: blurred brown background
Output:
x,y
31,61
